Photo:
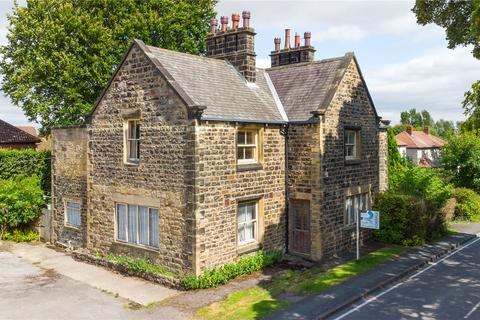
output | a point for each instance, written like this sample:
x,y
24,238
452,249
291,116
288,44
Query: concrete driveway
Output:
x,y
40,283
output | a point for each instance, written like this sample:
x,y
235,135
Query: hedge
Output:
x,y
27,162
467,206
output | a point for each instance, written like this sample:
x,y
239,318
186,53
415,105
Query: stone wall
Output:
x,y
163,176
349,107
69,182
383,159
220,184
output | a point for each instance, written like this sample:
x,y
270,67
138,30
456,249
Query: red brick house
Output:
x,y
12,137
421,147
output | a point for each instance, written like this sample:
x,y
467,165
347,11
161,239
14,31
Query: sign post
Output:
x,y
367,220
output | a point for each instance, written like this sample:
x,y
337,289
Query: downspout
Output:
x,y
284,133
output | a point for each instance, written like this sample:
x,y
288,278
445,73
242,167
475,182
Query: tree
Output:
x,y
396,163
61,53
444,128
461,21
416,119
461,160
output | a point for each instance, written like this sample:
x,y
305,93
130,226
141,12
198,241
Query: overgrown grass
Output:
x,y
21,236
138,264
262,300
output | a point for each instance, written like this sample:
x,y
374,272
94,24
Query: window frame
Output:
x,y
79,209
128,139
245,145
255,222
137,243
364,199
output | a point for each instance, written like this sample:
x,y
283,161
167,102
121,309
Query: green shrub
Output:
x,y
246,265
407,220
137,264
21,236
26,162
468,205
21,200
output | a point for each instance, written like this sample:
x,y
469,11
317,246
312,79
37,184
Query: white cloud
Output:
x,y
435,81
342,33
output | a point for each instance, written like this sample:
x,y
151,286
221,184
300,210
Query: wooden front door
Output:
x,y
300,226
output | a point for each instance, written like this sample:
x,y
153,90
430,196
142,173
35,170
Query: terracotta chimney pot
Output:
x,y
213,25
307,36
287,38
277,44
235,21
246,19
224,22
297,40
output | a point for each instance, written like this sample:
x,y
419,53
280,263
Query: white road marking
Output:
x,y
410,278
472,311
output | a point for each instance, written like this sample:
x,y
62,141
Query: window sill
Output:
x,y
248,247
137,246
131,164
72,227
249,167
353,162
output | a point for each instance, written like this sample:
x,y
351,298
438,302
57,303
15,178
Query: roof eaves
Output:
x,y
227,119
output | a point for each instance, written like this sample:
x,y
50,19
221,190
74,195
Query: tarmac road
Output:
x,y
447,289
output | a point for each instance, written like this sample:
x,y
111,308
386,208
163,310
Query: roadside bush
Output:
x,y
21,236
246,265
467,207
21,200
407,220
27,163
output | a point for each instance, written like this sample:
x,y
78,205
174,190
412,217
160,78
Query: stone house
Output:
x,y
420,147
194,161
12,137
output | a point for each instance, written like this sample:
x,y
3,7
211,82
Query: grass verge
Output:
x,y
264,299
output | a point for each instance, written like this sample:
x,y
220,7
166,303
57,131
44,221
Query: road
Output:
x,y
448,289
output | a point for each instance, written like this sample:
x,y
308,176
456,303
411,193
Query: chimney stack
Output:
x,y
235,21
297,40
291,55
224,22
307,36
213,25
409,129
426,129
277,44
246,19
287,38
235,44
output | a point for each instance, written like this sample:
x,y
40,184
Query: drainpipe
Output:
x,y
284,133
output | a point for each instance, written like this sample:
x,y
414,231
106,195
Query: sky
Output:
x,y
404,64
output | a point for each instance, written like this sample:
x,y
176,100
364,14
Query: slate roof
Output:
x,y
418,140
10,134
217,85
307,87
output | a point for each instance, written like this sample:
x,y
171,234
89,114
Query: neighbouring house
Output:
x,y
421,147
195,161
12,137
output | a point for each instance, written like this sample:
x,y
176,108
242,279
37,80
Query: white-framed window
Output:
x,y
247,222
132,141
355,204
247,146
351,137
137,225
73,213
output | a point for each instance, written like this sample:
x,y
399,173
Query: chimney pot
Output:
x,y
277,44
307,36
224,22
213,25
246,19
409,129
287,38
297,40
426,129
235,21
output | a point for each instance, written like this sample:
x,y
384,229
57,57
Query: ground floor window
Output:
x,y
137,225
73,214
247,220
355,204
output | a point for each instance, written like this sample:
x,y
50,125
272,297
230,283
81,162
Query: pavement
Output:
x,y
338,298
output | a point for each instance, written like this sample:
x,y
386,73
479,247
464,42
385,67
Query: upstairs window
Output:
x,y
247,146
132,142
352,145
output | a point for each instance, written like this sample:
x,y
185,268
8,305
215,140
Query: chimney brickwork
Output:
x,y
290,55
236,44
